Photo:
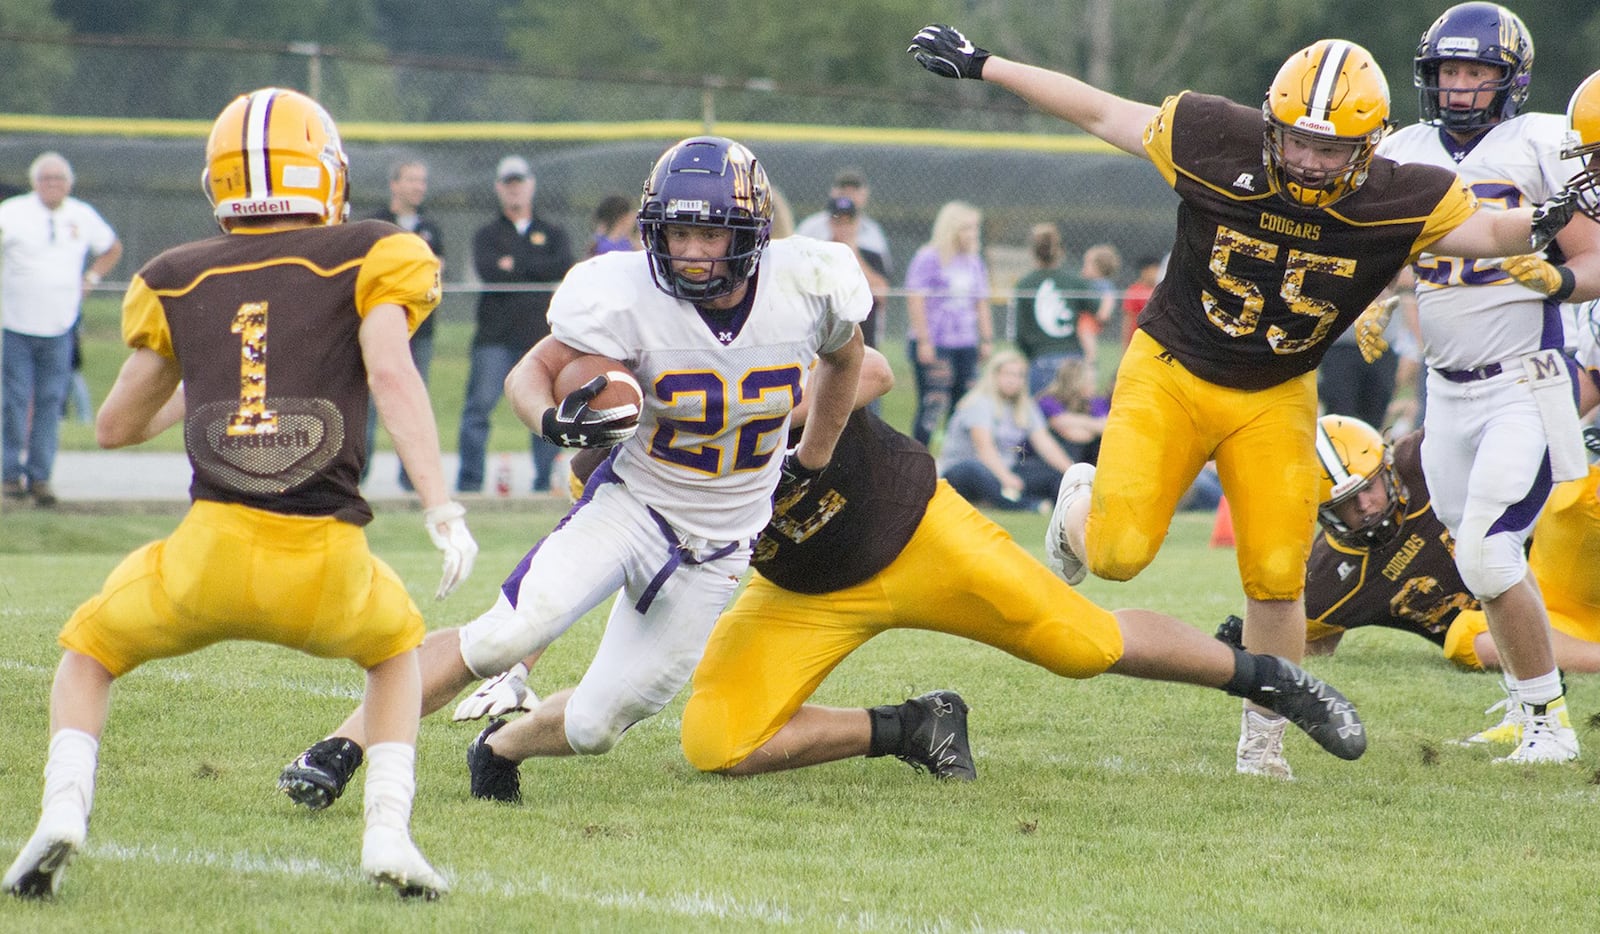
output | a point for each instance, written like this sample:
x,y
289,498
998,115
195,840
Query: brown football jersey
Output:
x,y
1257,288
856,518
1409,583
264,327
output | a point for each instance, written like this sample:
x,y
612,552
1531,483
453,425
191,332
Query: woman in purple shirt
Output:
x,y
947,286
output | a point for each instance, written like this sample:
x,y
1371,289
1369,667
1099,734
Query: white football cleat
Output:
x,y
1075,482
1547,735
37,870
1508,732
388,857
1261,746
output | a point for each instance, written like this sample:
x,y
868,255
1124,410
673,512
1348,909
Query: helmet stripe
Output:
x,y
257,159
1337,469
1326,81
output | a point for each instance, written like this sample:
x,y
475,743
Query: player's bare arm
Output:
x,y
833,396
145,400
402,400
530,386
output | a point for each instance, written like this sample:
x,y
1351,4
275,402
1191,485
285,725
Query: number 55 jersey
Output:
x,y
1258,288
285,429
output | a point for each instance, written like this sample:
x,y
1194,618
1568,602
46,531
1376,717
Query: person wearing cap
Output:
x,y
844,226
850,183
516,248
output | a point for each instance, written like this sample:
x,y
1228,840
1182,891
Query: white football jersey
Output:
x,y
712,435
1472,313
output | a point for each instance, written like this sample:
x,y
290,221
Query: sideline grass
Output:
x,y
1106,805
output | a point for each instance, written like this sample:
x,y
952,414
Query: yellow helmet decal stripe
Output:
x,y
257,148
1326,82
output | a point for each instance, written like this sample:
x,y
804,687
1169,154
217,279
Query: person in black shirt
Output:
x,y
516,248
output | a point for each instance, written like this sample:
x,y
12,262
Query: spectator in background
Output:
x,y
46,237
516,248
1049,307
614,226
844,226
1075,414
408,188
782,215
947,301
852,184
998,451
1137,295
1101,263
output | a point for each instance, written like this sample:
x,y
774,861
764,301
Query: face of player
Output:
x,y
1467,85
1369,504
1313,162
410,187
697,254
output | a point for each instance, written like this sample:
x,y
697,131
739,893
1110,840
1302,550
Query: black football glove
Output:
x,y
944,51
1550,217
1231,632
1591,440
794,481
572,424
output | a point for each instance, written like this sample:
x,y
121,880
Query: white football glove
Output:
x,y
499,695
447,526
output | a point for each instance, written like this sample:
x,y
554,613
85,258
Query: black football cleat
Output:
x,y
936,736
493,777
1312,705
318,777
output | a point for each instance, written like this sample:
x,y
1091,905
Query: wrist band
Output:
x,y
1569,282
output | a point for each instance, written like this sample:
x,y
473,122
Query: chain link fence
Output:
x,y
139,162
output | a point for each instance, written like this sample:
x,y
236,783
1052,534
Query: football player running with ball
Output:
x,y
1501,425
878,542
1289,227
721,330
266,342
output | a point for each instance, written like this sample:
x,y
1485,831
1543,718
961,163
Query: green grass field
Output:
x,y
1107,805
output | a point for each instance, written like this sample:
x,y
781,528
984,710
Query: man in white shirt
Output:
x,y
46,236
850,183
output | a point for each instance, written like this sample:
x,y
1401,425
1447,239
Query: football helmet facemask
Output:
x,y
276,153
1475,32
706,181
1583,142
1353,457
1332,91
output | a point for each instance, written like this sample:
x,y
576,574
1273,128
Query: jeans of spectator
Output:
x,y
1042,370
939,386
978,485
1204,494
486,380
422,356
1348,385
34,375
78,399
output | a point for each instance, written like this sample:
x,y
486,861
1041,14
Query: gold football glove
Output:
x,y
1370,327
1542,277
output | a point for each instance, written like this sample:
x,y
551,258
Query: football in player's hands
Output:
x,y
599,405
620,390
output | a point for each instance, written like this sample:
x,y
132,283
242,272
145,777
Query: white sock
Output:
x,y
69,772
391,784
1540,690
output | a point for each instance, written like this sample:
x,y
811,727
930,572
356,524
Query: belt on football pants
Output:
x,y
1472,375
679,555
